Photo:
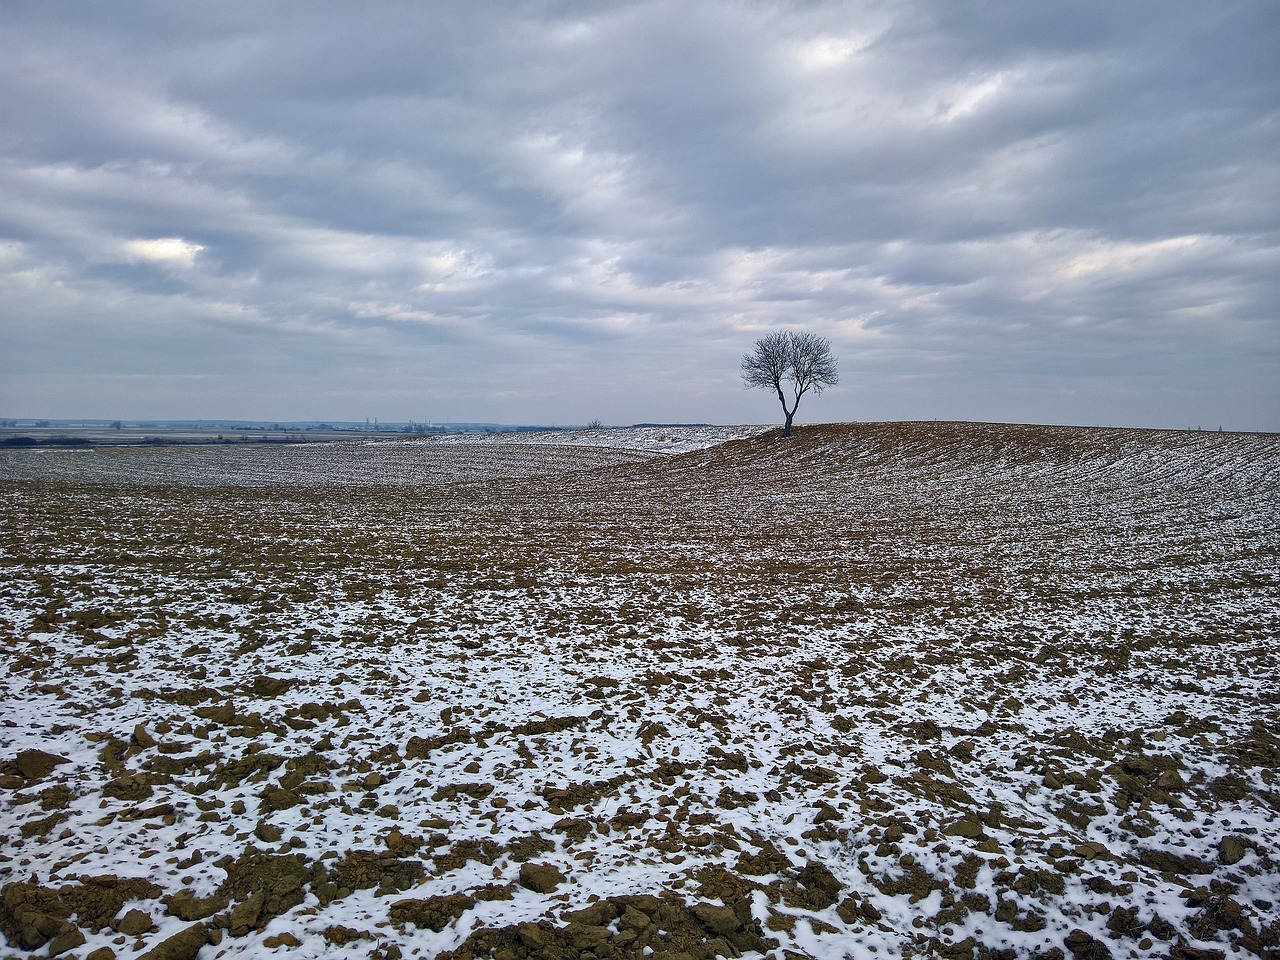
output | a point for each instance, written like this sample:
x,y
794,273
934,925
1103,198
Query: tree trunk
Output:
x,y
786,430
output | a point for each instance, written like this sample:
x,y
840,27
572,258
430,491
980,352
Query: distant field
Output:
x,y
446,458
71,434
880,690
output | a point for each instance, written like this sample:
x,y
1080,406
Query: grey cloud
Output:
x,y
1062,212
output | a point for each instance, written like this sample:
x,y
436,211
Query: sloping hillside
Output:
x,y
879,690
965,452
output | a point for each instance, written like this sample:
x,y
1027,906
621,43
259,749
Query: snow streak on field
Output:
x,y
673,439
878,690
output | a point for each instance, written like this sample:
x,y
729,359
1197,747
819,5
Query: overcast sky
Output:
x,y
552,212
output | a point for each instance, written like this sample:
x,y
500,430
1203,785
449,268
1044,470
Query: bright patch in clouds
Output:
x,y
967,98
1114,258
171,251
824,53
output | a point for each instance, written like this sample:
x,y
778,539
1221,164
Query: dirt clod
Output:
x,y
183,945
540,877
37,764
431,913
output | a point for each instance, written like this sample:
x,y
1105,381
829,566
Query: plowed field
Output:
x,y
953,690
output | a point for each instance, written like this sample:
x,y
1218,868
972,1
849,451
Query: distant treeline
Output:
x,y
46,442
62,441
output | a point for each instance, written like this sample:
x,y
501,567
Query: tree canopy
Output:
x,y
800,361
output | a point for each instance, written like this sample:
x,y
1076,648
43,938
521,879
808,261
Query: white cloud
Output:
x,y
169,251
966,97
1103,259
827,52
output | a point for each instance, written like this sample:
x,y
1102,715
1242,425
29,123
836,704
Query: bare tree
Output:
x,y
802,360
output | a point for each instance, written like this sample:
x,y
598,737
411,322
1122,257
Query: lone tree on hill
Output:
x,y
803,360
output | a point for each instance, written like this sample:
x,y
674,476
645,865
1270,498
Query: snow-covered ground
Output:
x,y
669,439
877,691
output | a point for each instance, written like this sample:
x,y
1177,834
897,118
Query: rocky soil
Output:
x,y
891,690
